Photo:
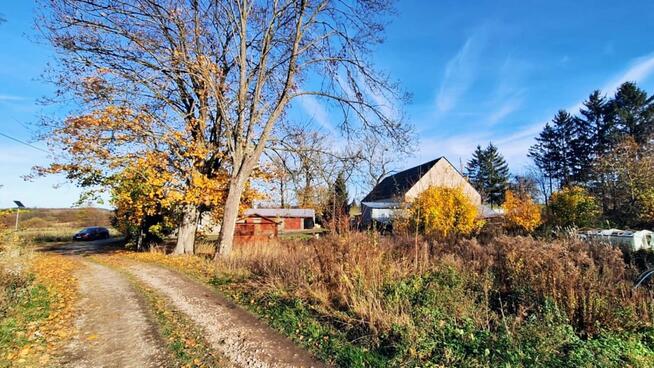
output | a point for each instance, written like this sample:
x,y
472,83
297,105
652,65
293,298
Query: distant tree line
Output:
x,y
606,150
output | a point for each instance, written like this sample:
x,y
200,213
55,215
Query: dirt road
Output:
x,y
240,336
116,328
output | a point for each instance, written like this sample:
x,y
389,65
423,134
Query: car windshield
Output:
x,y
88,230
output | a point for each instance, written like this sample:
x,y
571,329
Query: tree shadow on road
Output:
x,y
86,248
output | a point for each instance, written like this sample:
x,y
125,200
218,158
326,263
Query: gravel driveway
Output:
x,y
114,326
237,334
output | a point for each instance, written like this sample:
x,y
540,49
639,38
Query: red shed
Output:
x,y
290,219
255,228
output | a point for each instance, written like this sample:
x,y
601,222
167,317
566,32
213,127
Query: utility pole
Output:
x,y
19,205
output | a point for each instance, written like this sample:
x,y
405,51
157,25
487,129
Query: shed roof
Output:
x,y
281,212
398,184
242,220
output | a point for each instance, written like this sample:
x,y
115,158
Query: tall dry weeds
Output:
x,y
347,277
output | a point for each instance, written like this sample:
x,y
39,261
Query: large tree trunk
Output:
x,y
230,215
186,231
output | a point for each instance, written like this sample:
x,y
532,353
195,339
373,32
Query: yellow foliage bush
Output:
x,y
443,212
573,206
521,212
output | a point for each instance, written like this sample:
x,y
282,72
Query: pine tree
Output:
x,y
633,112
497,175
563,124
595,113
338,205
473,170
489,174
582,150
554,151
545,154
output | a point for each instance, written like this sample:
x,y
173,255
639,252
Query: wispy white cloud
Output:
x,y
640,70
8,98
317,113
461,71
503,111
516,144
508,95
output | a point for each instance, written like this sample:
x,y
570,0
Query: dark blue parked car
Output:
x,y
92,233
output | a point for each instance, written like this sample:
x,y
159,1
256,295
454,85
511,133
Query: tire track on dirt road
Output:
x,y
114,325
237,334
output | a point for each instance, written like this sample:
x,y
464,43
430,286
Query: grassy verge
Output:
x,y
305,325
38,296
18,344
186,344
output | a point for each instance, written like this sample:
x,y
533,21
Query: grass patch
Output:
x,y
184,341
52,234
36,318
18,344
305,326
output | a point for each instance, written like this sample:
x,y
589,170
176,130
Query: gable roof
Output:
x,y
398,184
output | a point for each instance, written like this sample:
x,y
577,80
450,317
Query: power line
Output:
x,y
23,142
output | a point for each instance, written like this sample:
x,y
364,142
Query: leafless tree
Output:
x,y
282,174
542,181
380,158
225,72
312,160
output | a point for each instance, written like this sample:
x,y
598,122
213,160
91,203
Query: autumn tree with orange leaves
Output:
x,y
149,175
520,212
215,78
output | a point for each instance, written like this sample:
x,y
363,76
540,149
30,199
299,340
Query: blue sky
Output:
x,y
478,71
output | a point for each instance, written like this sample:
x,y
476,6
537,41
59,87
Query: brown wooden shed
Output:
x,y
255,228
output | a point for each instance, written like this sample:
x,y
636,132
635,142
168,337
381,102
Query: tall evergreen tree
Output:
x,y
473,170
595,113
582,148
633,112
545,154
569,148
497,175
338,204
554,152
564,124
488,172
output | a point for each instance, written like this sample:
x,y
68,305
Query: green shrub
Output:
x,y
573,206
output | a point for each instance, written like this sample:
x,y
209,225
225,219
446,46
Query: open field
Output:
x,y
39,218
54,225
